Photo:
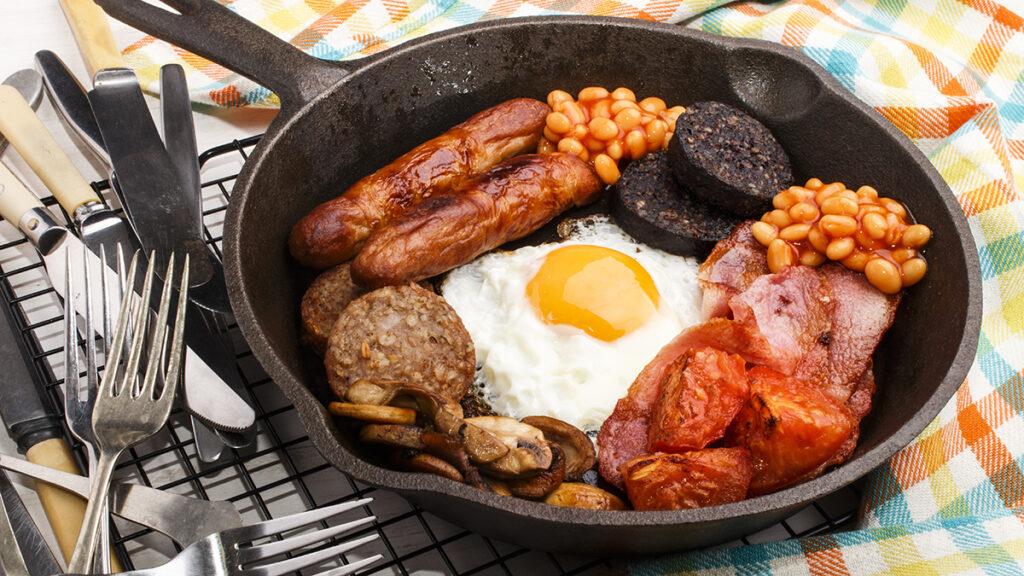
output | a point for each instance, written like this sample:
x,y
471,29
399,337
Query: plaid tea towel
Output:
x,y
948,73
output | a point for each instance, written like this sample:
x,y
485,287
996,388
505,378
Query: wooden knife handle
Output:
x,y
15,199
20,125
63,509
92,33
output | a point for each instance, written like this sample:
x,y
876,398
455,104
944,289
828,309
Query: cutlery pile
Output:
x,y
148,330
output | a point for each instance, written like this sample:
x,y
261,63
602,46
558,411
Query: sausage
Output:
x,y
335,230
403,335
510,201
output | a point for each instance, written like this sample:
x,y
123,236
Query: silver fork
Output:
x,y
121,417
234,553
79,394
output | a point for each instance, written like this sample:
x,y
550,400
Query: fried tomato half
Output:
x,y
691,480
701,394
790,427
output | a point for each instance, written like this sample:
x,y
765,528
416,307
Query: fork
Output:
x,y
233,552
123,415
79,394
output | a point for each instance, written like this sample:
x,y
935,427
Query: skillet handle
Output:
x,y
210,30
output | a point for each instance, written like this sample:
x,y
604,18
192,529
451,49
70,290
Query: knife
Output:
x,y
33,555
210,399
70,99
185,520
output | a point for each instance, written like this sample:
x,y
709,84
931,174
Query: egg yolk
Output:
x,y
598,290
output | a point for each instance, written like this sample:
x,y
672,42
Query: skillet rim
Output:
x,y
317,421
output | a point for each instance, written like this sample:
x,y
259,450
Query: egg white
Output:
x,y
529,367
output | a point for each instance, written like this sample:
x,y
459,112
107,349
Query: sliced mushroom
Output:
x,y
427,463
451,450
393,435
482,446
528,452
366,392
373,413
498,487
579,495
576,446
540,485
445,415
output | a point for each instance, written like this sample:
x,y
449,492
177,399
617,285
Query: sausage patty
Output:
x,y
510,201
323,302
335,230
401,334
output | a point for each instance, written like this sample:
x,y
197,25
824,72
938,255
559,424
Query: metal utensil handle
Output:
x,y
212,31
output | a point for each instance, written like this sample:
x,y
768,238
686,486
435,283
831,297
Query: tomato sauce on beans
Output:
x,y
818,222
604,127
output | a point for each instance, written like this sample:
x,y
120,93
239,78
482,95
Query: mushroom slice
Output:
x,y
445,415
393,435
539,486
498,487
420,462
580,495
366,392
373,413
576,446
528,452
451,450
482,446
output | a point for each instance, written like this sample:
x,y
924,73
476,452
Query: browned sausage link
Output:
x,y
335,230
512,200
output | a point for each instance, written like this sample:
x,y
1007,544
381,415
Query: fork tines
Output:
x,y
278,526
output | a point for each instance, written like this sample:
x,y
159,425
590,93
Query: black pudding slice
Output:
x,y
728,159
651,207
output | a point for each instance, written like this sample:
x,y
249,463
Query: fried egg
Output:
x,y
562,329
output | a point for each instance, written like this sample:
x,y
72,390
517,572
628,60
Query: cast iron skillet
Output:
x,y
340,121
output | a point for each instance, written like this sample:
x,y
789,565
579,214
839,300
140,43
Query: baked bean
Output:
x,y
592,93
656,131
545,146
601,110
893,207
780,255
573,111
856,261
913,270
785,200
875,225
818,239
606,169
814,184
579,131
840,248
558,123
839,205
593,144
668,138
603,129
883,275
614,150
628,119
623,93
556,96
795,232
571,146
636,143
838,226
803,212
901,255
653,104
779,218
867,192
867,242
620,105
551,134
812,258
896,227
827,190
764,232
916,236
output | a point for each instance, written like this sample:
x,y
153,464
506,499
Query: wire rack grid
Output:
x,y
282,473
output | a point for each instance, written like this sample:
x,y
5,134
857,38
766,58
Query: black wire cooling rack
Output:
x,y
282,473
